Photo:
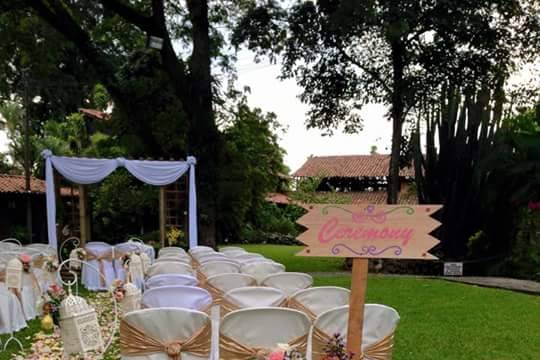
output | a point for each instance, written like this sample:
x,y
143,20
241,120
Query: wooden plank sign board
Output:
x,y
365,232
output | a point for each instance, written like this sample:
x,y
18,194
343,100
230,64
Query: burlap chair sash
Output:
x,y
38,261
135,342
380,350
297,305
217,294
230,349
108,256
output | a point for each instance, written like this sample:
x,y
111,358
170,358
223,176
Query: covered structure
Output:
x,y
89,171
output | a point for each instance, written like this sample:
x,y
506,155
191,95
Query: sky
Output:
x,y
281,97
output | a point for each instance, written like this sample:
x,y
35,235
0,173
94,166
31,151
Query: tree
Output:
x,y
346,53
255,165
111,35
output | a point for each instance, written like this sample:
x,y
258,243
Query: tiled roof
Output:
x,y
96,114
359,197
15,184
376,165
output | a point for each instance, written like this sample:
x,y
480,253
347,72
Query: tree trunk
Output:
x,y
204,140
397,115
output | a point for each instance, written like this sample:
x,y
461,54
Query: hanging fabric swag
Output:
x,y
89,171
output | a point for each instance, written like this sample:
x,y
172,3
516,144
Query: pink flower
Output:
x,y
276,355
119,295
25,258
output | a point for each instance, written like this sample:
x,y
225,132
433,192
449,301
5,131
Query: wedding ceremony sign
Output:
x,y
365,232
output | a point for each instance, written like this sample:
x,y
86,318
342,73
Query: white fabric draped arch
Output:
x,y
89,171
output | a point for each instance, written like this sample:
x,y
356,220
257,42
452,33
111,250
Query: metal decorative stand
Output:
x,y
72,239
75,282
11,240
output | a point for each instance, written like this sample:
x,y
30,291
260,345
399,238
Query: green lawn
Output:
x,y
440,319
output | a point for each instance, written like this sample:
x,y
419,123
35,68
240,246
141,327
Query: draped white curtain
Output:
x,y
89,171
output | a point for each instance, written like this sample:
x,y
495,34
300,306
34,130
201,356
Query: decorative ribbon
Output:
x,y
380,350
295,304
135,342
230,349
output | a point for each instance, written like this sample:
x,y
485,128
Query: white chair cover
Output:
x,y
234,253
227,249
169,267
90,277
166,325
43,249
379,322
182,259
196,249
30,294
172,250
170,279
218,267
322,298
149,250
210,257
288,282
45,278
227,282
176,296
265,327
12,317
204,252
255,296
260,270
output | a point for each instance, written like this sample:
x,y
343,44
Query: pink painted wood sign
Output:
x,y
369,231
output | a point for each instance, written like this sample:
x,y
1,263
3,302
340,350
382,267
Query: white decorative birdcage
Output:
x,y
132,298
14,274
79,326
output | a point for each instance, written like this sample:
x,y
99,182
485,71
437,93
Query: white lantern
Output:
x,y
136,267
14,274
79,326
132,298
146,262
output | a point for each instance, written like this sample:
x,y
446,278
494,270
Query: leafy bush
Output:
x,y
525,257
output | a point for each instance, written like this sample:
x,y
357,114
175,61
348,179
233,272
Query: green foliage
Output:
x,y
524,260
254,165
121,206
306,192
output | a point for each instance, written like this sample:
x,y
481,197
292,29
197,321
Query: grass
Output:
x,y
439,319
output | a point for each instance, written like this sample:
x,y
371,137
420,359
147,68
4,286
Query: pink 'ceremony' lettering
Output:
x,y
333,230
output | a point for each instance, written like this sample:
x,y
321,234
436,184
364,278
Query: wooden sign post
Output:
x,y
367,232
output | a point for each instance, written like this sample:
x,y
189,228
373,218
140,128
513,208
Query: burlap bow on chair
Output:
x,y
380,350
108,256
297,305
230,349
135,342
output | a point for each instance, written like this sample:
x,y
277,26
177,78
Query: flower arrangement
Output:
x,y
50,264
81,253
282,352
52,299
174,235
335,349
26,261
118,290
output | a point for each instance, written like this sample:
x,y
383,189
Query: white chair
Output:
x,y
288,282
103,264
316,300
260,270
12,317
380,322
200,249
43,249
177,296
171,250
210,257
190,330
182,259
169,267
247,330
254,296
218,285
234,253
218,267
170,279
227,249
30,293
149,250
